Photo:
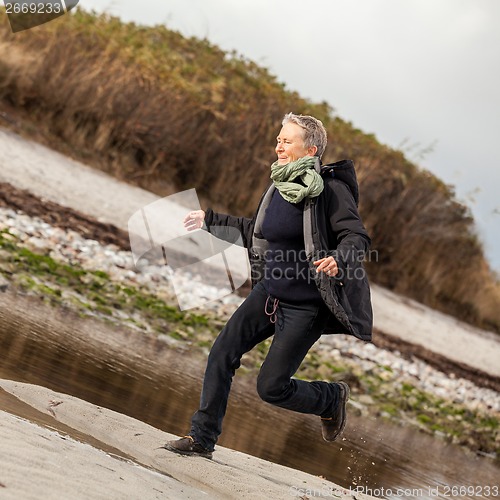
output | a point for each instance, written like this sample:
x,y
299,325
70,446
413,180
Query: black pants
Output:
x,y
297,328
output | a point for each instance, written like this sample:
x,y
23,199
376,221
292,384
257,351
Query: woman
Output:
x,y
306,244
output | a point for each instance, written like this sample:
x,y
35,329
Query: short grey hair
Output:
x,y
314,131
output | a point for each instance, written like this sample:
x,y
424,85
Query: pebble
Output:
x,y
4,284
70,246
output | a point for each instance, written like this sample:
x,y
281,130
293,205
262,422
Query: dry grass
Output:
x,y
169,113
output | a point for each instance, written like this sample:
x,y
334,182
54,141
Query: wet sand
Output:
x,y
52,458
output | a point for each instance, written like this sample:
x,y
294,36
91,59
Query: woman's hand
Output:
x,y
327,265
194,220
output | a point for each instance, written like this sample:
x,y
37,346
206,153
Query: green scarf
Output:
x,y
283,175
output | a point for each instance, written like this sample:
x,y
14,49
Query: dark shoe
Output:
x,y
331,427
188,446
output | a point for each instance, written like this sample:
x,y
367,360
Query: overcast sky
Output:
x,y
416,73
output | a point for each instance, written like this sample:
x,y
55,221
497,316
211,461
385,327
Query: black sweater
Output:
x,y
287,275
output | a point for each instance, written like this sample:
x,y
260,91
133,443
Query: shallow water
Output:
x,y
374,456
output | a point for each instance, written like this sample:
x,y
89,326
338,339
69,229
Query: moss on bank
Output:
x,y
94,293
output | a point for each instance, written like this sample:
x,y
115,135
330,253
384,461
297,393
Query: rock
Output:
x,y
39,243
9,236
4,284
335,354
386,375
366,399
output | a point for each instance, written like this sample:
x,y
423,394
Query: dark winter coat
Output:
x,y
332,227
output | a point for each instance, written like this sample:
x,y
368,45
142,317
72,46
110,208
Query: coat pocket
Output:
x,y
339,290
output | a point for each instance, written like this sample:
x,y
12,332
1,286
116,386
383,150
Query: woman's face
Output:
x,y
290,144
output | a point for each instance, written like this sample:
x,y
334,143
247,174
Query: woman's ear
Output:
x,y
312,150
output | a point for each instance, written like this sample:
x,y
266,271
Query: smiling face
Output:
x,y
290,144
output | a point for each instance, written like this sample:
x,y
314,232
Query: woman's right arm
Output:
x,y
223,226
238,227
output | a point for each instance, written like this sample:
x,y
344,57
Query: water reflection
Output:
x,y
162,389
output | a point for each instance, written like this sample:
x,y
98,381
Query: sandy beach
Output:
x,y
48,459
